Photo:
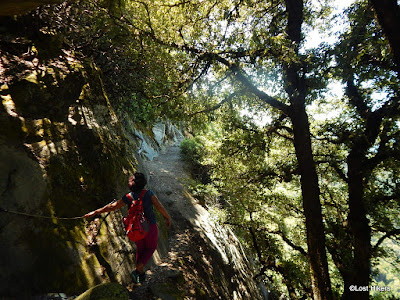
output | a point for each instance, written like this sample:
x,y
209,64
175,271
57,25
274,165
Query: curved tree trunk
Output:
x,y
296,89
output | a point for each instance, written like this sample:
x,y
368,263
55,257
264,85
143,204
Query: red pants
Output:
x,y
146,247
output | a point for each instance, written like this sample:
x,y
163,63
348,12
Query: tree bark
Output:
x,y
321,284
358,171
296,89
359,227
388,14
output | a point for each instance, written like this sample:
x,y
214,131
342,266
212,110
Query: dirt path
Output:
x,y
167,175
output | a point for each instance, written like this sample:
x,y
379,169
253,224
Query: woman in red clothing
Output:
x,y
145,247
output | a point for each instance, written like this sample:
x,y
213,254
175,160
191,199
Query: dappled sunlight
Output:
x,y
9,105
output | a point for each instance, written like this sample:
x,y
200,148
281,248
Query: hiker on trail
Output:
x,y
146,246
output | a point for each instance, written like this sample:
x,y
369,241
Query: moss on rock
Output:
x,y
167,291
106,291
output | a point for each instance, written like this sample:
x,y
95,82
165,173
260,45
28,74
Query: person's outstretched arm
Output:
x,y
161,209
109,207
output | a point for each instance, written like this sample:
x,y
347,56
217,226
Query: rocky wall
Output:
x,y
63,152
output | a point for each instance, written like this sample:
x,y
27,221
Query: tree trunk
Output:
x,y
358,172
296,89
388,13
321,284
359,226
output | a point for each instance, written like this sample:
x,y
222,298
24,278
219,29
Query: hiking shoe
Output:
x,y
135,276
142,277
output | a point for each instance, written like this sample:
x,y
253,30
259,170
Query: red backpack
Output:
x,y
136,224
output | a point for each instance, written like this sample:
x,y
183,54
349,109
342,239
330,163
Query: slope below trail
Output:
x,y
201,260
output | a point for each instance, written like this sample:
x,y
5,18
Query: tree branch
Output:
x,y
387,235
339,171
356,99
215,107
273,128
290,243
242,77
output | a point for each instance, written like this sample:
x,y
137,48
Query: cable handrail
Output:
x,y
37,216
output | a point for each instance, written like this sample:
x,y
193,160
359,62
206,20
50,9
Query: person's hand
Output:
x,y
90,214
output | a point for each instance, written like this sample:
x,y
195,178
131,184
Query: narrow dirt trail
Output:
x,y
167,173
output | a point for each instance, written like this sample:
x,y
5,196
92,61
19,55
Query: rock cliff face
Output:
x,y
64,152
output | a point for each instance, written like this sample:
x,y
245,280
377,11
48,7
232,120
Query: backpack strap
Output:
x,y
129,196
141,196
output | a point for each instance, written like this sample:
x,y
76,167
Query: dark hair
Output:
x,y
140,182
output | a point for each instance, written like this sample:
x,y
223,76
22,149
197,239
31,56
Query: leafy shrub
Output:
x,y
193,150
